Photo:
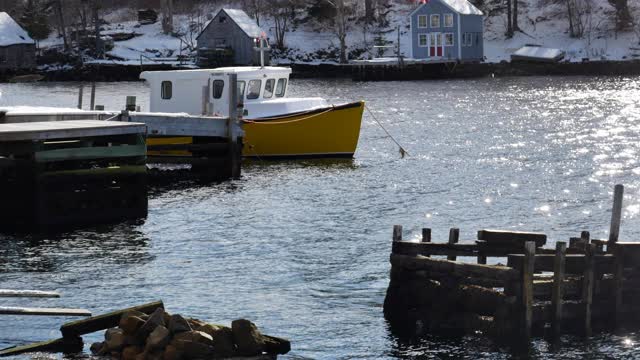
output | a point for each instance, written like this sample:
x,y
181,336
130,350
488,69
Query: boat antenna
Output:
x,y
263,46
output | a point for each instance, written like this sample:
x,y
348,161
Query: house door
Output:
x,y
435,45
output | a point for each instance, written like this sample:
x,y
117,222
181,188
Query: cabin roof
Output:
x,y
462,7
11,33
244,21
243,71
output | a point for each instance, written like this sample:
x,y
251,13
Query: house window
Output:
x,y
268,88
422,40
448,39
435,21
281,87
166,90
241,86
254,89
448,20
422,21
217,88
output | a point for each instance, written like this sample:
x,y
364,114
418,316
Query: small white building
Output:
x,y
17,48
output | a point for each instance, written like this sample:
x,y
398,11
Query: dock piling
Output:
x,y
397,233
616,216
454,236
587,286
527,287
557,293
93,95
80,96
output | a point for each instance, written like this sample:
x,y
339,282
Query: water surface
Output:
x,y
302,247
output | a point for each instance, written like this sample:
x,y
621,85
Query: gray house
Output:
x,y
17,49
449,30
230,37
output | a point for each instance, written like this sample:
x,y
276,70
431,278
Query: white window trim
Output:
x,y
426,21
444,39
445,20
426,35
431,21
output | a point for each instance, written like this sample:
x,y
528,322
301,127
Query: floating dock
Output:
x,y
589,285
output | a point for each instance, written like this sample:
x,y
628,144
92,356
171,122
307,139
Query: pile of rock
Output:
x,y
161,336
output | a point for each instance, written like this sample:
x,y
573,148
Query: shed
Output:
x,y
229,39
450,30
17,48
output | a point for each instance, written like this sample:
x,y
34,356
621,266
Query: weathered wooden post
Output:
x,y
235,155
527,287
93,95
616,217
397,232
587,286
454,237
426,235
557,292
80,96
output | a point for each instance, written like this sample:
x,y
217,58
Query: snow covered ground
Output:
x,y
542,22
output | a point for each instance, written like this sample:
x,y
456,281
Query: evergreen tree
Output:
x,y
34,19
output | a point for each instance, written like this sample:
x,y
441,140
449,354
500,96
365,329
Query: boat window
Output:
x,y
281,88
241,86
268,88
166,90
218,88
254,89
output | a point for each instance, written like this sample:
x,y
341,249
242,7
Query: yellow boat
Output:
x,y
275,126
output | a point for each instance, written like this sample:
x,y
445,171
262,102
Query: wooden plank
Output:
x,y
9,310
181,125
527,287
105,321
516,238
454,236
557,294
587,286
397,233
618,283
32,131
68,345
87,153
574,263
442,249
454,269
28,293
616,215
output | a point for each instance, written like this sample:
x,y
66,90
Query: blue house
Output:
x,y
449,30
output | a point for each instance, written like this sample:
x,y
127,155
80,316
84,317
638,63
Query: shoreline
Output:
x,y
117,72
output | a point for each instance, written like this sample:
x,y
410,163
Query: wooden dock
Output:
x,y
587,286
71,173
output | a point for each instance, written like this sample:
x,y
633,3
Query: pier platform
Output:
x,y
71,172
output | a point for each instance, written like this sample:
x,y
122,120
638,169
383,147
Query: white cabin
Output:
x,y
263,90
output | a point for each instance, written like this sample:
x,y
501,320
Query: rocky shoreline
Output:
x,y
117,72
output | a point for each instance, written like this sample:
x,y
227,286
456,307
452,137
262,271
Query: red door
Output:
x,y
439,44
435,45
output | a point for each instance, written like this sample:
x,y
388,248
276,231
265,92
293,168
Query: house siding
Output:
x,y
19,56
468,23
234,37
473,24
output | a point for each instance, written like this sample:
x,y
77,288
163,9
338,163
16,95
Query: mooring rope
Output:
x,y
403,152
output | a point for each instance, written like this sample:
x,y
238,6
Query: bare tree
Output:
x,y
255,8
167,16
341,25
509,20
515,16
624,20
62,26
283,13
369,11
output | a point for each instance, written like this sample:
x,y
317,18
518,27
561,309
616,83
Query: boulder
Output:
x,y
171,353
131,352
115,340
222,337
131,324
195,323
158,339
178,324
156,319
274,345
195,350
193,336
96,348
247,337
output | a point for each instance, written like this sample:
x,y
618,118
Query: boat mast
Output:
x,y
262,41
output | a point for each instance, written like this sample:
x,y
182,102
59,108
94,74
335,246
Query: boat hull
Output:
x,y
331,132
327,132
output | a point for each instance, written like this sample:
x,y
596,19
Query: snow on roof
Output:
x,y
538,52
463,7
11,33
246,23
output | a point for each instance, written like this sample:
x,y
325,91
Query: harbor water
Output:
x,y
302,247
